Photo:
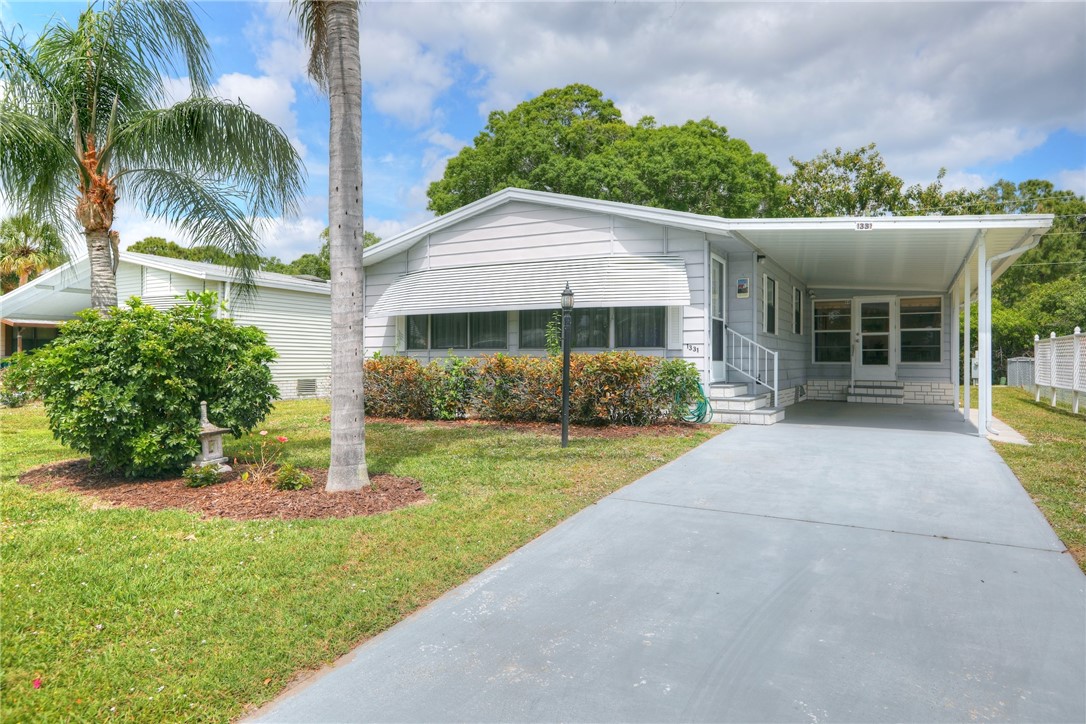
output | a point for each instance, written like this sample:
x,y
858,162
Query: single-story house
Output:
x,y
294,312
770,311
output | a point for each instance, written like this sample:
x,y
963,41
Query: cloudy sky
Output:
x,y
984,90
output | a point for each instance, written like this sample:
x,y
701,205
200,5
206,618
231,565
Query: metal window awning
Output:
x,y
642,281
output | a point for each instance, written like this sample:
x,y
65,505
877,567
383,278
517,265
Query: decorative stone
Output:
x,y
211,443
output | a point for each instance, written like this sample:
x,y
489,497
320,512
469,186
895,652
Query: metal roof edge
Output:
x,y
217,272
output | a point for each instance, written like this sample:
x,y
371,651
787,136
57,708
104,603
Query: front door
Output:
x,y
718,277
873,331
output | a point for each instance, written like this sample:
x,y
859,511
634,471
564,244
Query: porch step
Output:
x,y
761,416
876,392
740,403
722,390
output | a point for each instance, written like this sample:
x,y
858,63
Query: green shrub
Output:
x,y
125,386
452,386
201,476
289,477
17,381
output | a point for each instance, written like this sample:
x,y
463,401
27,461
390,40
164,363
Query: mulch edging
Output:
x,y
233,498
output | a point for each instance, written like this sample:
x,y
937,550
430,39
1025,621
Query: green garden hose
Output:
x,y
698,411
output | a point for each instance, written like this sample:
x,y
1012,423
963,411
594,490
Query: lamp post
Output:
x,y
567,329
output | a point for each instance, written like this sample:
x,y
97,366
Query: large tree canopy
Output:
x,y
572,140
82,124
27,248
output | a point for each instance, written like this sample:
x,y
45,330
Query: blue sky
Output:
x,y
984,90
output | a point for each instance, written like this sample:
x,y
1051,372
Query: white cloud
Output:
x,y
1073,179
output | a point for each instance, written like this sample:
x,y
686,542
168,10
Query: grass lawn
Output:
x,y
1053,469
151,616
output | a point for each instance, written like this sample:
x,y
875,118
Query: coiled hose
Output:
x,y
697,411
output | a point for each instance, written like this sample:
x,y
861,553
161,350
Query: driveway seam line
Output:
x,y
839,525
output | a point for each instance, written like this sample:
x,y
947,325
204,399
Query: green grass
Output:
x,y
1053,468
139,615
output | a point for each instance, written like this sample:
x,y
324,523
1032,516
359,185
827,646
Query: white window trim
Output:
x,y
814,332
942,329
776,306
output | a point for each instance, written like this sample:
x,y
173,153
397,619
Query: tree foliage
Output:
x,y
125,387
27,248
574,141
82,119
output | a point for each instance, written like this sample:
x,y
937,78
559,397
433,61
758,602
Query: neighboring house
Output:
x,y
294,312
857,309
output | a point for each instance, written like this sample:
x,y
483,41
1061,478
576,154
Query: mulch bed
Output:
x,y
233,498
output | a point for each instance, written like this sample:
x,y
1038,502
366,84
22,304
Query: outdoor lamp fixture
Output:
x,y
567,328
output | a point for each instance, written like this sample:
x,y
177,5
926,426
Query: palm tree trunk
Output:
x,y
103,283
348,464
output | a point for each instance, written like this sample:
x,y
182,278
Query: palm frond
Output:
x,y
38,170
312,18
163,34
213,138
207,211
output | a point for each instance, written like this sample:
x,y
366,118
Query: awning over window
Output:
x,y
626,281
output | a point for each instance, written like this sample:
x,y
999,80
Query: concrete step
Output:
x,y
721,390
740,403
763,416
879,383
878,391
876,399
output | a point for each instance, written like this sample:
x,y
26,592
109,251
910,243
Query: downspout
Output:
x,y
986,389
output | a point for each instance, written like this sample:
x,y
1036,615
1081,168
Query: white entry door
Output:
x,y
718,292
874,329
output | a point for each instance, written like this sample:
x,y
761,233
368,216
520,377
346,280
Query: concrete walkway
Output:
x,y
852,564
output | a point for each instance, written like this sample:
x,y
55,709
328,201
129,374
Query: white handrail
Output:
x,y
752,360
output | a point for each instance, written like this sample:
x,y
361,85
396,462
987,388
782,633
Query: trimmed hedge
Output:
x,y
605,388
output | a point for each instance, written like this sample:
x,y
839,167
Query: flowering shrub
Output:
x,y
605,388
263,459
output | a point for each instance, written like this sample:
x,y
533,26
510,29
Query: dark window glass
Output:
x,y
488,330
921,329
533,327
591,328
832,331
797,311
418,331
770,306
449,331
639,326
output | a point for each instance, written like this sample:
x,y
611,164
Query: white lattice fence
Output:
x,y
1060,364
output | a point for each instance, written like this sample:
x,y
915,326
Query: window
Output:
x,y
797,311
478,330
769,312
640,326
488,330
533,327
448,331
418,331
591,328
832,331
921,329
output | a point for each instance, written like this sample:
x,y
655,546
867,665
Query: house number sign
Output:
x,y
865,225
693,348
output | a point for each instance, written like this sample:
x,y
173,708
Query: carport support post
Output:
x,y
984,341
955,301
966,367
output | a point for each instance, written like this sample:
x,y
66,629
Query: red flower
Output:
x,y
281,439
37,683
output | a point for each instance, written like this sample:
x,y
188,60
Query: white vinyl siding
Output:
x,y
298,326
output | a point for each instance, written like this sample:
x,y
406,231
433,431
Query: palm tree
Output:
x,y
28,247
82,124
331,30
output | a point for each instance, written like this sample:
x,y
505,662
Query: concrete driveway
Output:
x,y
855,563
